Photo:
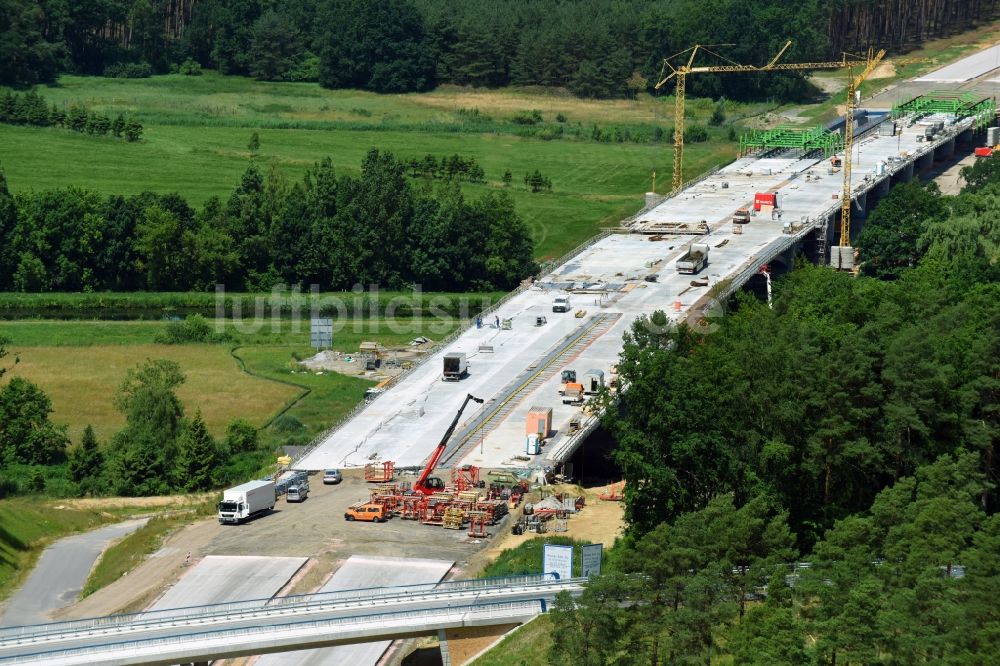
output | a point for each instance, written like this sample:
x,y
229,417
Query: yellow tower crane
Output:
x,y
681,72
853,95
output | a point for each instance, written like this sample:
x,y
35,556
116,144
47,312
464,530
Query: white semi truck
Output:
x,y
246,501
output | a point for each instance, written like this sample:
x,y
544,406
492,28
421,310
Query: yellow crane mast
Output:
x,y
853,84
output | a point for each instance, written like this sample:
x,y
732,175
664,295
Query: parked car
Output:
x,y
332,476
366,511
297,494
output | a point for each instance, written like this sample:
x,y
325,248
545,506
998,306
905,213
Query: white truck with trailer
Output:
x,y
245,501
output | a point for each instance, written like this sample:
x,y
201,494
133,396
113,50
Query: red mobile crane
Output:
x,y
428,484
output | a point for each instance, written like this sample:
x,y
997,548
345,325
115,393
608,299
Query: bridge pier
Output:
x,y
882,188
461,645
945,150
925,161
906,173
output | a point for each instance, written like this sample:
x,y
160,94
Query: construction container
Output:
x,y
593,380
539,422
764,199
992,136
984,152
887,129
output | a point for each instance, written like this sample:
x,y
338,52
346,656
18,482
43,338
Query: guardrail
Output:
x,y
32,633
380,623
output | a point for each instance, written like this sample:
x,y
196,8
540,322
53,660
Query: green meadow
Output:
x,y
197,130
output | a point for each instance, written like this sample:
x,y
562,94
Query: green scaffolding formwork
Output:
x,y
806,139
956,103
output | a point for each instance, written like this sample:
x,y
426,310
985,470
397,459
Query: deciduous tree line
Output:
x,y
853,425
329,230
591,47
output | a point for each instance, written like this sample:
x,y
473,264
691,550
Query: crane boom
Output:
x,y
426,484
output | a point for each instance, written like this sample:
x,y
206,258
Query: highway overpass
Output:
x,y
202,633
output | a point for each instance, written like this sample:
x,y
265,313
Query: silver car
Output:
x,y
297,494
332,476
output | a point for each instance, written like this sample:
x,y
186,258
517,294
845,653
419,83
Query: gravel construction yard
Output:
x,y
315,528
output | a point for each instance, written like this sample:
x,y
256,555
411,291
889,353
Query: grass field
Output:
x,y
82,383
80,365
197,129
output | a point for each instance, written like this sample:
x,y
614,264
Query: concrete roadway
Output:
x,y
61,573
216,580
357,573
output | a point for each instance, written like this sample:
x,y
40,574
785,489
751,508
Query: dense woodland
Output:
x,y
853,425
330,230
593,47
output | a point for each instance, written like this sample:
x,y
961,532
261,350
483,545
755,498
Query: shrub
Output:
x,y
286,423
241,436
696,133
128,70
190,67
193,328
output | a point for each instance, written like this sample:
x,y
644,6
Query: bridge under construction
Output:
x,y
788,183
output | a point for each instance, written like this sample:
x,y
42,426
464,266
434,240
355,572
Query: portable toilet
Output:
x,y
593,380
532,444
539,422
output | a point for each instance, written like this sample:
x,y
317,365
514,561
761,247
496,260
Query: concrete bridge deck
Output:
x,y
406,422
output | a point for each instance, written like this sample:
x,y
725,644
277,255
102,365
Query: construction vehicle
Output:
x,y
741,216
567,377
573,394
695,259
836,161
456,367
427,484
367,512
560,304
243,502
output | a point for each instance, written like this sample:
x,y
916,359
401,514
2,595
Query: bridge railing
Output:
x,y
380,624
31,633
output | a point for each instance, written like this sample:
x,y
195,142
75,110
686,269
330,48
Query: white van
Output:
x,y
297,494
560,304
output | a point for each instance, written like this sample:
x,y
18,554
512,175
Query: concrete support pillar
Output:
x,y
967,137
949,147
445,652
925,161
882,189
907,172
